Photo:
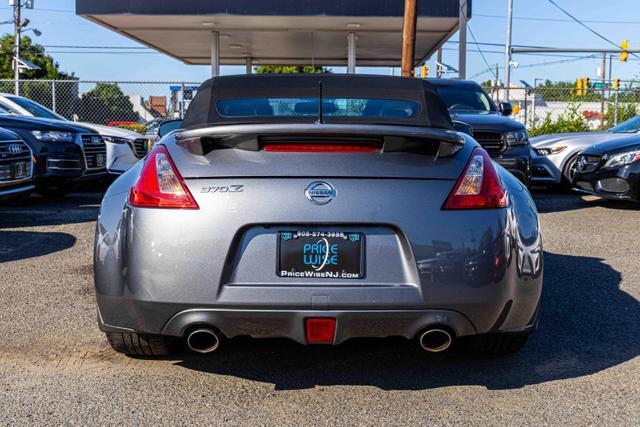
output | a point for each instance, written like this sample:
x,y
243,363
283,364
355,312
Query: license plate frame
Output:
x,y
320,254
21,170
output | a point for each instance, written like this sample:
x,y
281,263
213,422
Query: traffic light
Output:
x,y
586,84
625,47
425,71
579,87
616,84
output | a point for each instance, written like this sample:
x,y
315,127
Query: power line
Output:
x,y
531,18
586,26
480,50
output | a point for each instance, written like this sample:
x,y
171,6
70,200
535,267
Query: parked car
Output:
x,y
153,128
16,167
124,147
65,153
504,139
610,169
318,208
556,156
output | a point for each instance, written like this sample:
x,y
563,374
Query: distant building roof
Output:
x,y
277,31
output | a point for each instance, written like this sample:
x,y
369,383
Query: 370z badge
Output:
x,y
223,189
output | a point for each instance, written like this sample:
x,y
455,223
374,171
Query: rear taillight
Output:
x,y
322,148
160,184
479,186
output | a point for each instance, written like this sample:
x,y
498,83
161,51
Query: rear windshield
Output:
x,y
301,107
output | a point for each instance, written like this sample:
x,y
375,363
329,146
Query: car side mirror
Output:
x,y
168,127
505,108
463,127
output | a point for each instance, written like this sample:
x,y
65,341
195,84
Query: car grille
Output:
x,y
493,142
140,146
588,163
95,152
16,163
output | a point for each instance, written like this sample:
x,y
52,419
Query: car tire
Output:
x,y
567,176
495,344
133,344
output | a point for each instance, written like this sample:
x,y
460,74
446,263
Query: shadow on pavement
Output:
x,y
39,211
587,324
16,245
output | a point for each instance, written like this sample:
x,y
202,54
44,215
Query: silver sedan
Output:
x,y
555,156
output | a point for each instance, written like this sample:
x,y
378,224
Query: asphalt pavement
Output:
x,y
581,367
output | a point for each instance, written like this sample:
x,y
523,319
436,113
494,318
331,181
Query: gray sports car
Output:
x,y
318,208
555,156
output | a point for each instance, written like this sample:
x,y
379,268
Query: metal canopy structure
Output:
x,y
291,32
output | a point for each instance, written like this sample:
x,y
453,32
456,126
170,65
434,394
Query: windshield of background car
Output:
x,y
36,109
301,107
465,99
629,126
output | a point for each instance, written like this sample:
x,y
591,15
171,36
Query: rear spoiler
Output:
x,y
392,138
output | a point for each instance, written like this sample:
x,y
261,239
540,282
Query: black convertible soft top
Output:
x,y
203,111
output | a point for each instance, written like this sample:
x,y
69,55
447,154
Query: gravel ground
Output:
x,y
581,367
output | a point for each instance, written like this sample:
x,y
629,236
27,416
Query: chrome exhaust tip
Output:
x,y
435,340
203,340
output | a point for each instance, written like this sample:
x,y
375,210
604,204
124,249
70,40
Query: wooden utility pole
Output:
x,y
408,37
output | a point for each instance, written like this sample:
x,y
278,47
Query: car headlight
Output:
x,y
519,137
549,151
53,136
115,140
622,159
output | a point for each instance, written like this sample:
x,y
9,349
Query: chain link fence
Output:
x,y
128,103
104,102
568,109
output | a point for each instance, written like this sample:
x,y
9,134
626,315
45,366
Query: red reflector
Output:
x,y
160,184
479,186
321,148
320,330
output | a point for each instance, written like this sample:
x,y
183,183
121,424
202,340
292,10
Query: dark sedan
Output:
x,y
65,153
16,167
610,170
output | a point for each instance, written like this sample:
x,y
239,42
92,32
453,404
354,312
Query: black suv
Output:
x,y
505,139
16,167
65,153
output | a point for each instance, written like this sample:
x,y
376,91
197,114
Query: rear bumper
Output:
x,y
290,323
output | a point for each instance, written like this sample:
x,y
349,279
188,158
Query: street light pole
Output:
x,y
408,37
507,51
16,63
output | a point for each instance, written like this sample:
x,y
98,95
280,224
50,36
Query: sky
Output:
x,y
536,22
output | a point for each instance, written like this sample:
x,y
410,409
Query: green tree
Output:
x,y
32,52
291,69
105,103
